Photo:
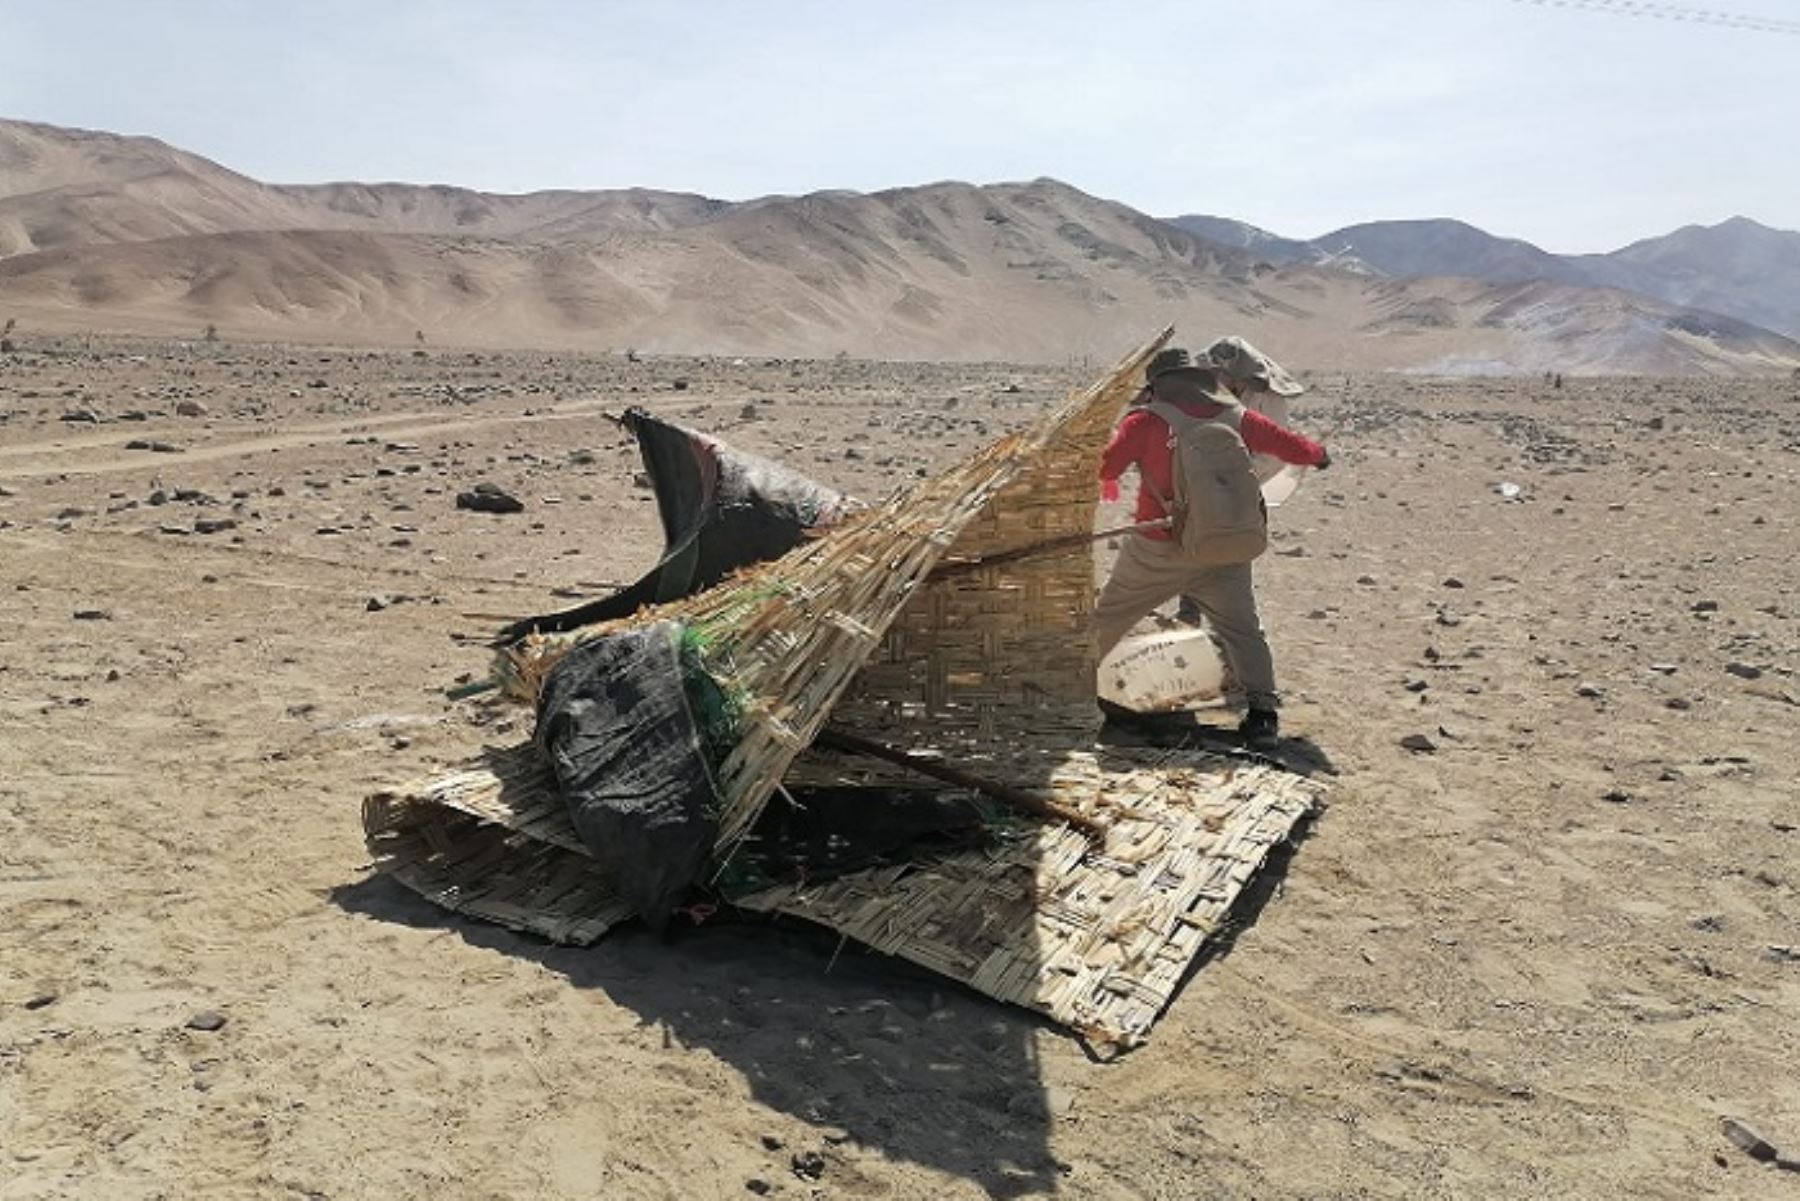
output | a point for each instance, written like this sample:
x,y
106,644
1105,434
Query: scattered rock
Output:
x,y
40,1000
207,1020
1418,744
489,498
1744,671
808,1165
213,525
1755,1145
93,615
1453,582
772,1142
190,408
81,415
380,601
759,1186
1678,703
1705,606
1618,796
1365,579
1590,691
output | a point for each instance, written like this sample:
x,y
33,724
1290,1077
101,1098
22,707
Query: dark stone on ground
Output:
x,y
488,498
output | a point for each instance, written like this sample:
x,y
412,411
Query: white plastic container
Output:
x,y
1279,480
1167,670
1282,484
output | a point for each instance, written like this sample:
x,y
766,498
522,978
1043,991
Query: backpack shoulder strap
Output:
x,y
1178,420
1173,417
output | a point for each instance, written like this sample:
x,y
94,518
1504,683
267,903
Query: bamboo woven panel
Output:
x,y
1097,938
1004,649
791,634
479,866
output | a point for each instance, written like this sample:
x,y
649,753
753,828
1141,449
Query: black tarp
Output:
x,y
722,510
622,727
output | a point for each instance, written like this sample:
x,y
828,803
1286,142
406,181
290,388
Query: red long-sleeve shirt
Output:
x,y
1143,438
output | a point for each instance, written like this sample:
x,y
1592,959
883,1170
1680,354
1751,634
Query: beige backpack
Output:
x,y
1218,512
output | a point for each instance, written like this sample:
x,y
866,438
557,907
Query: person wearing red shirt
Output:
x,y
1151,569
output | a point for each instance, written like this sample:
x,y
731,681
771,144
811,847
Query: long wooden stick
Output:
x,y
837,739
957,567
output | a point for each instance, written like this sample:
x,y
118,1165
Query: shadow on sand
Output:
x,y
874,1051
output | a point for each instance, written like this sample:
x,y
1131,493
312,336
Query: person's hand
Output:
x,y
1109,489
1324,461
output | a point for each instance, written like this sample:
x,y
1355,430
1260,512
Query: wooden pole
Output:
x,y
837,739
956,567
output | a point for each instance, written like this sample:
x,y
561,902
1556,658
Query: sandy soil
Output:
x,y
1542,959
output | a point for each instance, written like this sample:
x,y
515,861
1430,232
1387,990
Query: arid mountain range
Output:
x,y
101,231
1737,267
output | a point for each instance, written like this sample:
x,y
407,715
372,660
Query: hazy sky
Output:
x,y
1575,129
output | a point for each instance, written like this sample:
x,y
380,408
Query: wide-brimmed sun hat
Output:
x,y
1176,370
1243,362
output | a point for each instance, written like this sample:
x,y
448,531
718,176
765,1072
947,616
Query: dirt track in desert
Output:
x,y
1542,958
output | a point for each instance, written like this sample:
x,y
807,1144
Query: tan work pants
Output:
x,y
1149,572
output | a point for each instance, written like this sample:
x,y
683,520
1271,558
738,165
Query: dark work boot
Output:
x,y
1261,729
1119,717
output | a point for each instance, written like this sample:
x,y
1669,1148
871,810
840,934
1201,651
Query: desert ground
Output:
x,y
1545,937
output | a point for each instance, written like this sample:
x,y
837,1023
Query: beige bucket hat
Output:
x,y
1241,361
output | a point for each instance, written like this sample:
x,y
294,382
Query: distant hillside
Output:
x,y
1737,268
1445,247
101,231
1241,235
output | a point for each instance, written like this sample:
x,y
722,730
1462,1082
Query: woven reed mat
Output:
x,y
1096,937
494,841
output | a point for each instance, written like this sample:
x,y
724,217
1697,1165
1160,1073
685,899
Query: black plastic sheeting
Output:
x,y
630,759
722,510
